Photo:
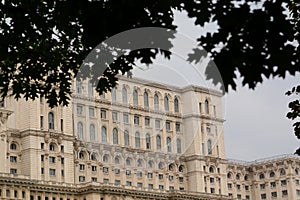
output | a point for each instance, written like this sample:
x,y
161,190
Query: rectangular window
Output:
x,y
15,193
161,187
13,159
114,116
105,170
149,175
13,171
125,118
42,158
139,185
136,120
284,192
94,168
208,131
61,125
52,172
246,187
171,187
283,182
150,186
274,194
273,184
79,110
128,172
297,182
157,124
81,167
128,183
105,180
263,196
212,190
41,122
91,112
147,121
180,179
117,171
200,108
168,125
103,114
160,176
94,179
7,193
51,159
211,180
262,186
117,182
62,173
139,174
42,145
42,170
247,197
177,127
81,178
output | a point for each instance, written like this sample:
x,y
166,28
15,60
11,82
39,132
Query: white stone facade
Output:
x,y
143,140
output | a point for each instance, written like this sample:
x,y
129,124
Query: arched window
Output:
x,y
113,95
282,172
181,168
50,121
176,105
117,160
13,146
206,106
178,144
126,138
166,103
103,134
146,99
92,132
209,147
158,142
105,158
135,97
160,165
80,130
150,164
51,147
272,174
81,155
229,175
211,169
156,102
169,148
128,161
246,177
93,156
261,176
139,163
137,140
148,141
124,95
238,177
115,136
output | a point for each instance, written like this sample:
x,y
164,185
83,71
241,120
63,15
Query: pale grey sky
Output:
x,y
255,126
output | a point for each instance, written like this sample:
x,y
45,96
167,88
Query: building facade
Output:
x,y
142,140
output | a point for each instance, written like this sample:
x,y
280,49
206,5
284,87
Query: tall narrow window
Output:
x,y
137,140
80,130
124,95
215,111
156,102
135,97
158,142
41,122
169,148
103,134
166,103
178,144
92,132
51,120
200,108
209,147
126,138
146,99
115,136
78,87
90,89
176,105
148,141
114,95
206,107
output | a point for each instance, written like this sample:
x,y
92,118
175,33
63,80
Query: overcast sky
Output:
x,y
255,126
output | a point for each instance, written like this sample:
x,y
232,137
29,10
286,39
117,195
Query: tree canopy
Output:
x,y
43,43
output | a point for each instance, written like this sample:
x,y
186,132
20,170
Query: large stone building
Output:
x,y
142,140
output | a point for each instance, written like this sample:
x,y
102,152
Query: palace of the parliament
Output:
x,y
142,140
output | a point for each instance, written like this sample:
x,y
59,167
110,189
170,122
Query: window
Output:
x,y
90,89
81,167
177,127
283,182
102,96
113,94
147,121
209,147
139,185
115,136
272,174
117,182
238,177
103,134
128,161
117,171
114,116
297,182
212,180
136,120
62,160
274,194
128,183
13,159
125,118
262,186
161,187
229,185
158,142
13,171
180,179
81,178
284,192
61,125
150,186
139,174
78,87
135,97
41,122
282,172
148,141
261,176
128,172
137,140
51,147
94,168
166,103
212,190
150,175
146,99
13,146
168,125
103,114
91,112
208,130
160,176
178,144
80,130
206,106
246,187
176,105
126,138
51,159
94,179
263,196
156,102
52,172
157,124
105,170
92,132
51,121
150,164
42,158
169,148
124,95
105,180
273,184
79,110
